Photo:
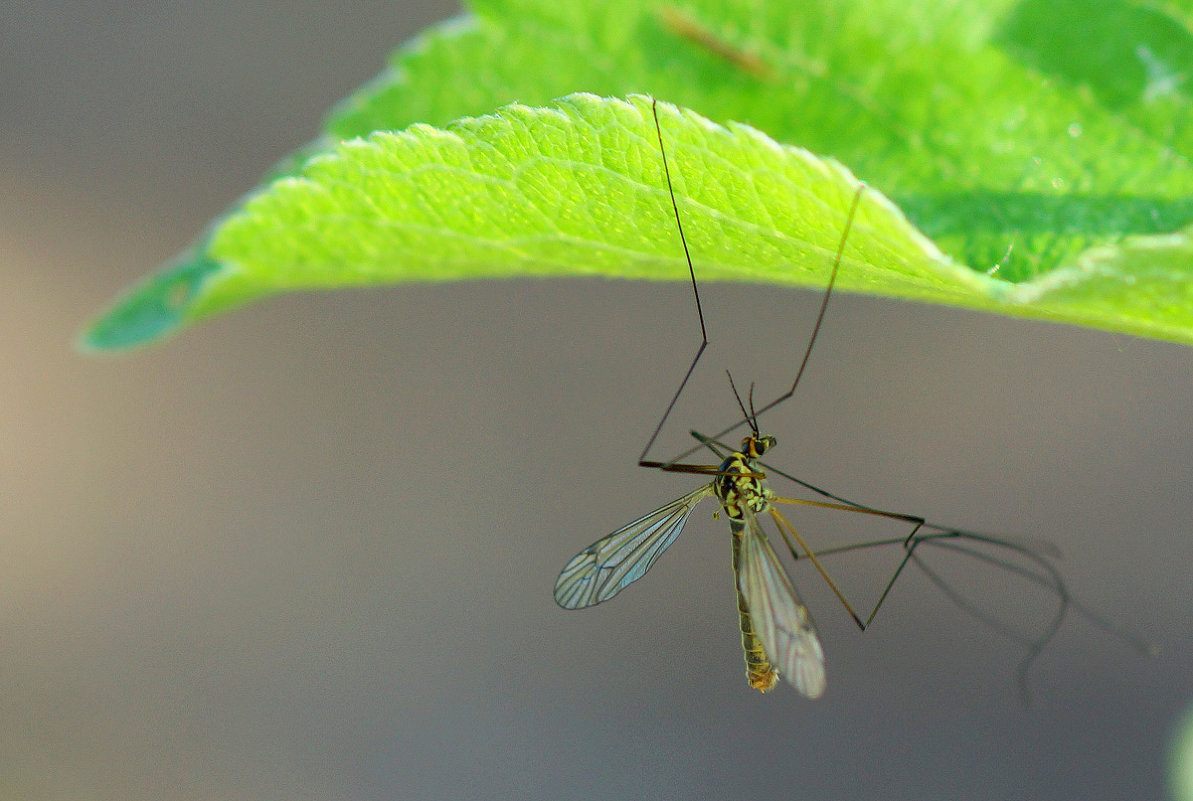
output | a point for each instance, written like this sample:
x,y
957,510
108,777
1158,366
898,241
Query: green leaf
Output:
x,y
1021,149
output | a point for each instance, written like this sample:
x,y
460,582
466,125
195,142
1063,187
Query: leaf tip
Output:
x,y
152,309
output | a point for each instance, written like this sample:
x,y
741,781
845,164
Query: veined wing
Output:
x,y
612,563
781,621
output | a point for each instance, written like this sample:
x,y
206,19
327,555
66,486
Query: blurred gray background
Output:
x,y
306,550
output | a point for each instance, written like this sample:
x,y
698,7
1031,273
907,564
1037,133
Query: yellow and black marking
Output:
x,y
760,673
739,483
740,488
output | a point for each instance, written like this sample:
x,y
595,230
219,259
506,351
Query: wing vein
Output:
x,y
781,621
617,560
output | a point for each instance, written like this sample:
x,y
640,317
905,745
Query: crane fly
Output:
x,y
776,629
777,633
778,637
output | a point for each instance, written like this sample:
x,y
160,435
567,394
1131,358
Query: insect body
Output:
x,y
777,633
778,638
776,629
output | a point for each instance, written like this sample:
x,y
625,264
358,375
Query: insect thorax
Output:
x,y
739,491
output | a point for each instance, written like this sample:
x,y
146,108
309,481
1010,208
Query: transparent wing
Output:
x,y
612,563
781,621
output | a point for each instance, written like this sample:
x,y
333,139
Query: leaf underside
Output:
x,y
1028,172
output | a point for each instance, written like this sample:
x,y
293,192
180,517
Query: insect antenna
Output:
x,y
749,415
753,414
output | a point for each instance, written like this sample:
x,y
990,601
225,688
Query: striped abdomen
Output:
x,y
760,674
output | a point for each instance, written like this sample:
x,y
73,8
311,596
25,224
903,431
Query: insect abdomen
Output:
x,y
760,674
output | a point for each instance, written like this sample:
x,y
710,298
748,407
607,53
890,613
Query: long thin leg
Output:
x,y
642,460
846,504
1049,577
828,291
864,510
785,527
909,542
1034,646
1036,552
709,470
1045,575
